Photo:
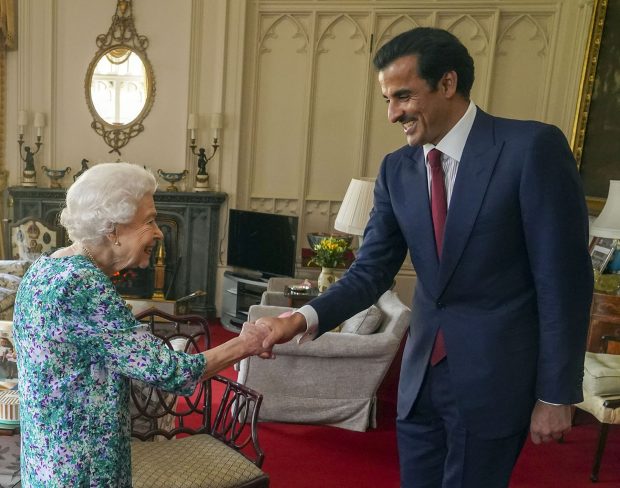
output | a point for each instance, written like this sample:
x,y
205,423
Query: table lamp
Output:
x,y
356,206
607,224
606,227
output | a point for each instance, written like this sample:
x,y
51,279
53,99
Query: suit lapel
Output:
x,y
477,163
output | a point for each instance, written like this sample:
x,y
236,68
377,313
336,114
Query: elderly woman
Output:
x,y
78,344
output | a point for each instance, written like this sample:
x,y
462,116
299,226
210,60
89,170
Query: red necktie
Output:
x,y
439,210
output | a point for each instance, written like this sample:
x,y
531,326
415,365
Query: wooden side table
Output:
x,y
296,299
604,320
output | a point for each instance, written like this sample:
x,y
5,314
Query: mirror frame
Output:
x,y
121,34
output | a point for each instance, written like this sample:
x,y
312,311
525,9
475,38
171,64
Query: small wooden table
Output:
x,y
604,320
298,298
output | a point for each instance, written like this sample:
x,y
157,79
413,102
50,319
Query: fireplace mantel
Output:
x,y
193,254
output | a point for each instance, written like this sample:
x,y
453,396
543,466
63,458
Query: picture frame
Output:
x,y
596,131
601,251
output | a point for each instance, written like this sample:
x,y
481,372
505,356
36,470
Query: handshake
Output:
x,y
259,337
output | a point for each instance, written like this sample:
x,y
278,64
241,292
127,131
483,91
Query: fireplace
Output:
x,y
189,256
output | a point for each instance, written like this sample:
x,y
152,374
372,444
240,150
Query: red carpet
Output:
x,y
311,456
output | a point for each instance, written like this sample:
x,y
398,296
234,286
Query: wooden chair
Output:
x,y
601,395
213,438
29,237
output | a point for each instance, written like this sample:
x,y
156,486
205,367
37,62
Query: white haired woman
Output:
x,y
78,344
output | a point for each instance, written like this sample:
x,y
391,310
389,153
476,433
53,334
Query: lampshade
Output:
x,y
39,120
356,206
607,224
192,121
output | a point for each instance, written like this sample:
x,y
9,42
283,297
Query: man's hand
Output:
x,y
279,330
549,422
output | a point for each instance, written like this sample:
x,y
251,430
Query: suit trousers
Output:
x,y
437,451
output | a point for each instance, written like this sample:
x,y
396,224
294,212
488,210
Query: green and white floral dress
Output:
x,y
77,346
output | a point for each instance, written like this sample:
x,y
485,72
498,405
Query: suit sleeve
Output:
x,y
376,264
555,224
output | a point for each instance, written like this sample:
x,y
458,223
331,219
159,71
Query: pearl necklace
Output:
x,y
88,254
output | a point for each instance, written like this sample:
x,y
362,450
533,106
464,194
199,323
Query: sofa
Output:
x,y
11,273
332,380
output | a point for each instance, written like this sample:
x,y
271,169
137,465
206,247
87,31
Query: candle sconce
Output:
x,y
29,173
201,182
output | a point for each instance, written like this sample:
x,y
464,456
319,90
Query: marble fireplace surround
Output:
x,y
190,222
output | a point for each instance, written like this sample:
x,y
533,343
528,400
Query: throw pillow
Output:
x,y
363,323
602,374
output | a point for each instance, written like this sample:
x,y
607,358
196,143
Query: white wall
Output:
x,y
46,74
206,59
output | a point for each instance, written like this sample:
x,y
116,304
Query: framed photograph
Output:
x,y
601,251
596,132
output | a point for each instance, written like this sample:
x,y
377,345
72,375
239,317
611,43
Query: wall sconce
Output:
x,y
29,173
202,177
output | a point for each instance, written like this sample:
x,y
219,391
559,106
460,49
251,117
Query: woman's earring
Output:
x,y
116,243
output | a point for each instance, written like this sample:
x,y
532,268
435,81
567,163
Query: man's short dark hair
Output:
x,y
437,51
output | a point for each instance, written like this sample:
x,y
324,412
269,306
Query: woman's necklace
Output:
x,y
88,254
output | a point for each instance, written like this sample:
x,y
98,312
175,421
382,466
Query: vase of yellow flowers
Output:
x,y
329,253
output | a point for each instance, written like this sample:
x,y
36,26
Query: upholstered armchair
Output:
x,y
332,380
601,394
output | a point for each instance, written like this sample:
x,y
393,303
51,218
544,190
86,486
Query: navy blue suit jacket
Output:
x,y
513,287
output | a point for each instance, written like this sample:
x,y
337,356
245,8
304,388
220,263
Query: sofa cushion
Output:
x,y
14,267
363,323
9,281
7,298
602,374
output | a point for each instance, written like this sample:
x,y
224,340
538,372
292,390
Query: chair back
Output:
x,y
29,237
218,406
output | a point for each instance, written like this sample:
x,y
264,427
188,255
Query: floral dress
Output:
x,y
77,346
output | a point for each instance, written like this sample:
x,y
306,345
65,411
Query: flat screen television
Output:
x,y
262,242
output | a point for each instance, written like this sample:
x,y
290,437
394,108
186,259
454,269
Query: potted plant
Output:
x,y
329,253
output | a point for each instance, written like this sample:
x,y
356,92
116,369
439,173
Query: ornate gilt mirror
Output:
x,y
119,84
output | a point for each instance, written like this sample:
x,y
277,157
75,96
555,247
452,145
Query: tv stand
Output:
x,y
240,293
248,276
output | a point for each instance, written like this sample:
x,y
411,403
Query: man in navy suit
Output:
x,y
500,312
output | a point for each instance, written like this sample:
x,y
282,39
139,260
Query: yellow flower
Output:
x,y
330,252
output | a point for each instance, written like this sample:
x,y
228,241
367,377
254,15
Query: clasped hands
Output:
x,y
262,335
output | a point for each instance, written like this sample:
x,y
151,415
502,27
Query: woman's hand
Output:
x,y
253,336
248,343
